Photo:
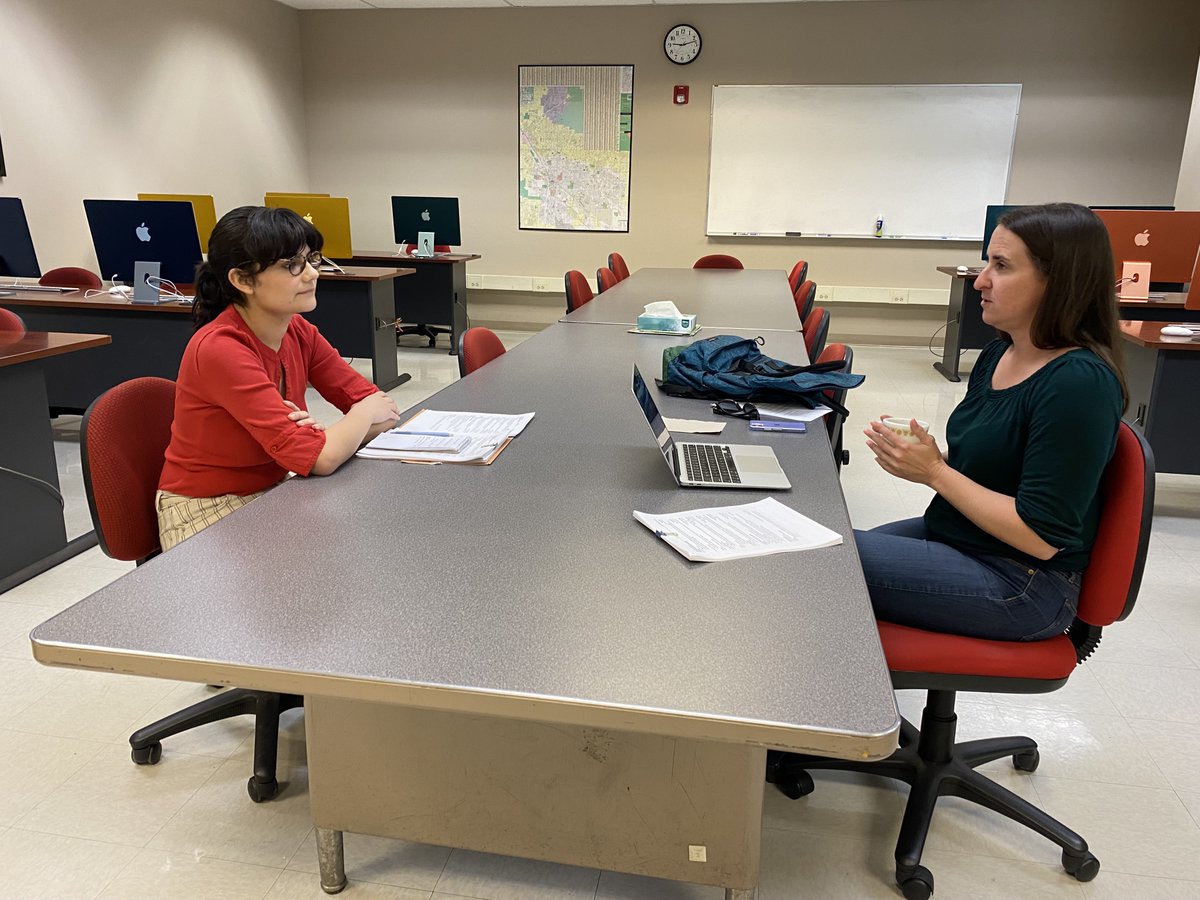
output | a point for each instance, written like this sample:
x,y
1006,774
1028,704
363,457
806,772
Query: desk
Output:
x,y
33,535
150,340
435,295
1163,375
966,330
720,298
575,690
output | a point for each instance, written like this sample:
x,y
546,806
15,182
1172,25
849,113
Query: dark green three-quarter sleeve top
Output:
x,y
1044,441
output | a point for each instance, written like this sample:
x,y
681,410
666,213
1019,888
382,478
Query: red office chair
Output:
x,y
477,347
798,274
930,760
124,435
816,329
804,296
72,277
718,261
835,421
430,332
617,263
10,322
579,291
605,278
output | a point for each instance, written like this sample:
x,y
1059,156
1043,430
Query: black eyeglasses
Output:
x,y
738,409
296,264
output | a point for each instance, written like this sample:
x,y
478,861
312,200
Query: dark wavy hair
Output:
x,y
1070,246
248,238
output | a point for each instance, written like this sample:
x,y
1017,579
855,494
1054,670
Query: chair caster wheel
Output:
x,y
795,785
261,790
1027,761
916,884
148,755
1084,867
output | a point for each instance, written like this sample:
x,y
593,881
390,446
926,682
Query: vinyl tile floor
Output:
x,y
1120,749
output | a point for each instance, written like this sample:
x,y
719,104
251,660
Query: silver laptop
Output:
x,y
710,465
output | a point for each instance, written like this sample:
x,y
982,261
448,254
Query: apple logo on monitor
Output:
x,y
308,218
142,232
1143,239
424,215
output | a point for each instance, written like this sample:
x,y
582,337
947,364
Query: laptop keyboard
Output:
x,y
709,462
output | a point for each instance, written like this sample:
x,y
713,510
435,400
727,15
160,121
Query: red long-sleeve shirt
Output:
x,y
231,433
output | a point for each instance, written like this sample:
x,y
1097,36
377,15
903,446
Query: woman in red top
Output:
x,y
240,420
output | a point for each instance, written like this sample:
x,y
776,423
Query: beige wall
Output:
x,y
424,101
1187,192
105,99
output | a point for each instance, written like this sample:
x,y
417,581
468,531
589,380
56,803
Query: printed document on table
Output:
x,y
791,413
739,532
459,437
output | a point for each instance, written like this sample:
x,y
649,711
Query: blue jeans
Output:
x,y
925,584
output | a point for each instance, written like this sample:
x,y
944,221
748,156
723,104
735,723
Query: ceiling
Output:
x,y
423,4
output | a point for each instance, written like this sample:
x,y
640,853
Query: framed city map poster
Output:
x,y
575,128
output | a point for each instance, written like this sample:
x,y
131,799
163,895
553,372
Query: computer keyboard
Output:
x,y
710,462
38,288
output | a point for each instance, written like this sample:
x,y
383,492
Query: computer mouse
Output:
x,y
123,290
1178,331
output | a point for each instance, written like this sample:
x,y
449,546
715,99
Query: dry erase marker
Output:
x,y
879,227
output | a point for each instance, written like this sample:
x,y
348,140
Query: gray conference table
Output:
x,y
723,298
500,658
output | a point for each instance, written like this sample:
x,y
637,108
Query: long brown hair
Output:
x,y
1070,246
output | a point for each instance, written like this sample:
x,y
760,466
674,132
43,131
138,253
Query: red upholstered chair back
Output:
x,y
798,274
816,329
477,347
71,276
605,278
579,291
10,322
1114,573
805,295
718,261
125,433
617,263
437,248
840,353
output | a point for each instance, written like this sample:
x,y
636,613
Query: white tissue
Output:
x,y
663,309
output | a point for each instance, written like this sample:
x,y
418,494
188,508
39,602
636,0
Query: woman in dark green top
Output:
x,y
1001,547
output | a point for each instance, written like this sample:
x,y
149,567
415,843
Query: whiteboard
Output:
x,y
828,160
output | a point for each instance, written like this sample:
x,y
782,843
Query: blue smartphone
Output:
x,y
766,425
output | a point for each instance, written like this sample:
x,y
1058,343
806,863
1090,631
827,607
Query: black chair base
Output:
x,y
430,332
266,707
934,765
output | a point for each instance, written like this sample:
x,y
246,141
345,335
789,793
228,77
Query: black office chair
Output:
x,y
429,332
124,435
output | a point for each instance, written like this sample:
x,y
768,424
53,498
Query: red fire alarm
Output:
x,y
680,94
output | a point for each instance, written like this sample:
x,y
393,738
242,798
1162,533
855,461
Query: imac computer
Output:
x,y
17,258
202,205
329,215
414,216
1166,239
125,232
989,222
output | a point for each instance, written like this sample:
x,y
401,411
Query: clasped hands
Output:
x,y
919,461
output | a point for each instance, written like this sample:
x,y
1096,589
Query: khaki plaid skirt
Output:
x,y
180,517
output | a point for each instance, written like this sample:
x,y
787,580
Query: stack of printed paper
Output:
x,y
433,436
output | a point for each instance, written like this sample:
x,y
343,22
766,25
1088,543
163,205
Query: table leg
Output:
x,y
952,341
331,860
740,894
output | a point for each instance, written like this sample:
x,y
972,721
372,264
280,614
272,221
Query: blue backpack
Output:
x,y
729,367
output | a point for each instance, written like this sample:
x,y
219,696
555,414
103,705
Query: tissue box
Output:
x,y
668,324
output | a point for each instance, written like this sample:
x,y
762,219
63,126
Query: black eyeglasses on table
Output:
x,y
738,409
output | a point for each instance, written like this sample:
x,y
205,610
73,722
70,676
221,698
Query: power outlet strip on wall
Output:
x,y
826,294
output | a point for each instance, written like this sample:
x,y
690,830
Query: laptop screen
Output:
x,y
17,258
654,419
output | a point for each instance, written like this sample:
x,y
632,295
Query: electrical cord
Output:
x,y
940,328
44,485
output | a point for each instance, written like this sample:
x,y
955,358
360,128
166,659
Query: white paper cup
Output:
x,y
901,428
